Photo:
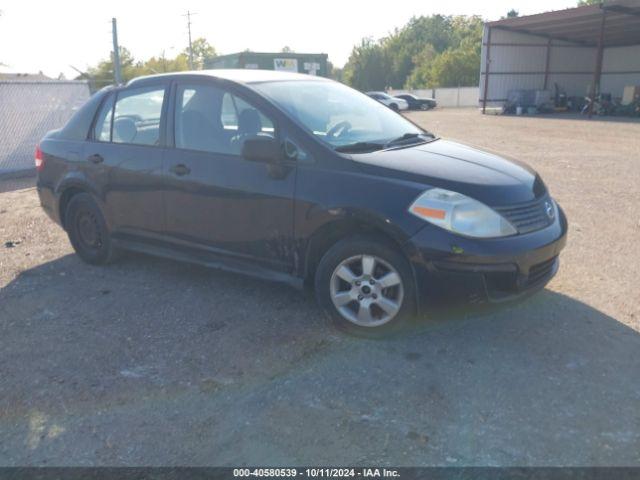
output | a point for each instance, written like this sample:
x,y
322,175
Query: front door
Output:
x,y
215,199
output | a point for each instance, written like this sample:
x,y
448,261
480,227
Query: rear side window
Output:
x,y
136,118
102,128
79,126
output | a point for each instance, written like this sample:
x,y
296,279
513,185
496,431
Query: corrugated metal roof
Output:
x,y
581,25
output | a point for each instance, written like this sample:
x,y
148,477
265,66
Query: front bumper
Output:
x,y
451,267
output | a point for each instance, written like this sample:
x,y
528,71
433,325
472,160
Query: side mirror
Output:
x,y
262,149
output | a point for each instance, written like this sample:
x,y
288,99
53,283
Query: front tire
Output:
x,y
87,230
366,286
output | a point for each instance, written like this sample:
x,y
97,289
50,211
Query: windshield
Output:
x,y
337,114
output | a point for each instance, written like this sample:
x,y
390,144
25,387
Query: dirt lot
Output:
x,y
150,362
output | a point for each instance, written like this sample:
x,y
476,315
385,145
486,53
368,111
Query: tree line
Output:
x,y
103,73
429,51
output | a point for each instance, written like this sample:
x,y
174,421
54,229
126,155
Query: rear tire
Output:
x,y
366,286
87,230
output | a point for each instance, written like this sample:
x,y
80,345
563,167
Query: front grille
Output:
x,y
540,271
530,216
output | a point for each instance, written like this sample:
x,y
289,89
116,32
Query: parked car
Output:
x,y
303,180
393,103
417,103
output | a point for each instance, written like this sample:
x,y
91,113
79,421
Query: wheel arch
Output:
x,y
69,188
332,232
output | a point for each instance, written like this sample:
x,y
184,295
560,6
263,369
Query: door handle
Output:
x,y
180,170
96,158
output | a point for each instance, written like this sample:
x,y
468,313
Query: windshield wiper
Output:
x,y
359,147
403,139
407,138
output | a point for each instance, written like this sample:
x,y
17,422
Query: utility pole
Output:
x,y
116,52
188,15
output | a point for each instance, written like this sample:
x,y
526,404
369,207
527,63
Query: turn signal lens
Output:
x,y
428,212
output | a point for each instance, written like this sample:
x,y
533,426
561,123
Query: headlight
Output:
x,y
460,214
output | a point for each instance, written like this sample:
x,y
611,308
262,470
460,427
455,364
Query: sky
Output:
x,y
52,36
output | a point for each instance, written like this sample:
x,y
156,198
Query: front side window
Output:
x,y
337,114
209,119
137,115
102,128
232,108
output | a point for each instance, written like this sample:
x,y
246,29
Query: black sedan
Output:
x,y
303,180
417,103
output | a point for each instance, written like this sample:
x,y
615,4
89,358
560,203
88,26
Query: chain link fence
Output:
x,y
28,110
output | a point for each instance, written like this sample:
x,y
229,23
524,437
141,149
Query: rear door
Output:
x,y
215,199
124,158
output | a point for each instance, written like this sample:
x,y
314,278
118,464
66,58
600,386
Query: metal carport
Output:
x,y
583,47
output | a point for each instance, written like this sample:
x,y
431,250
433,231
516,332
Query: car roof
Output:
x,y
235,75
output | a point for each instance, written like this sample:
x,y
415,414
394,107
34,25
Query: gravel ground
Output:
x,y
151,362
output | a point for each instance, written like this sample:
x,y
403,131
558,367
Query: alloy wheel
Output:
x,y
366,290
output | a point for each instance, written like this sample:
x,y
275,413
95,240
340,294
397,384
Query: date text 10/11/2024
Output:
x,y
317,472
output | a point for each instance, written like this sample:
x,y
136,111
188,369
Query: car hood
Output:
x,y
492,179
